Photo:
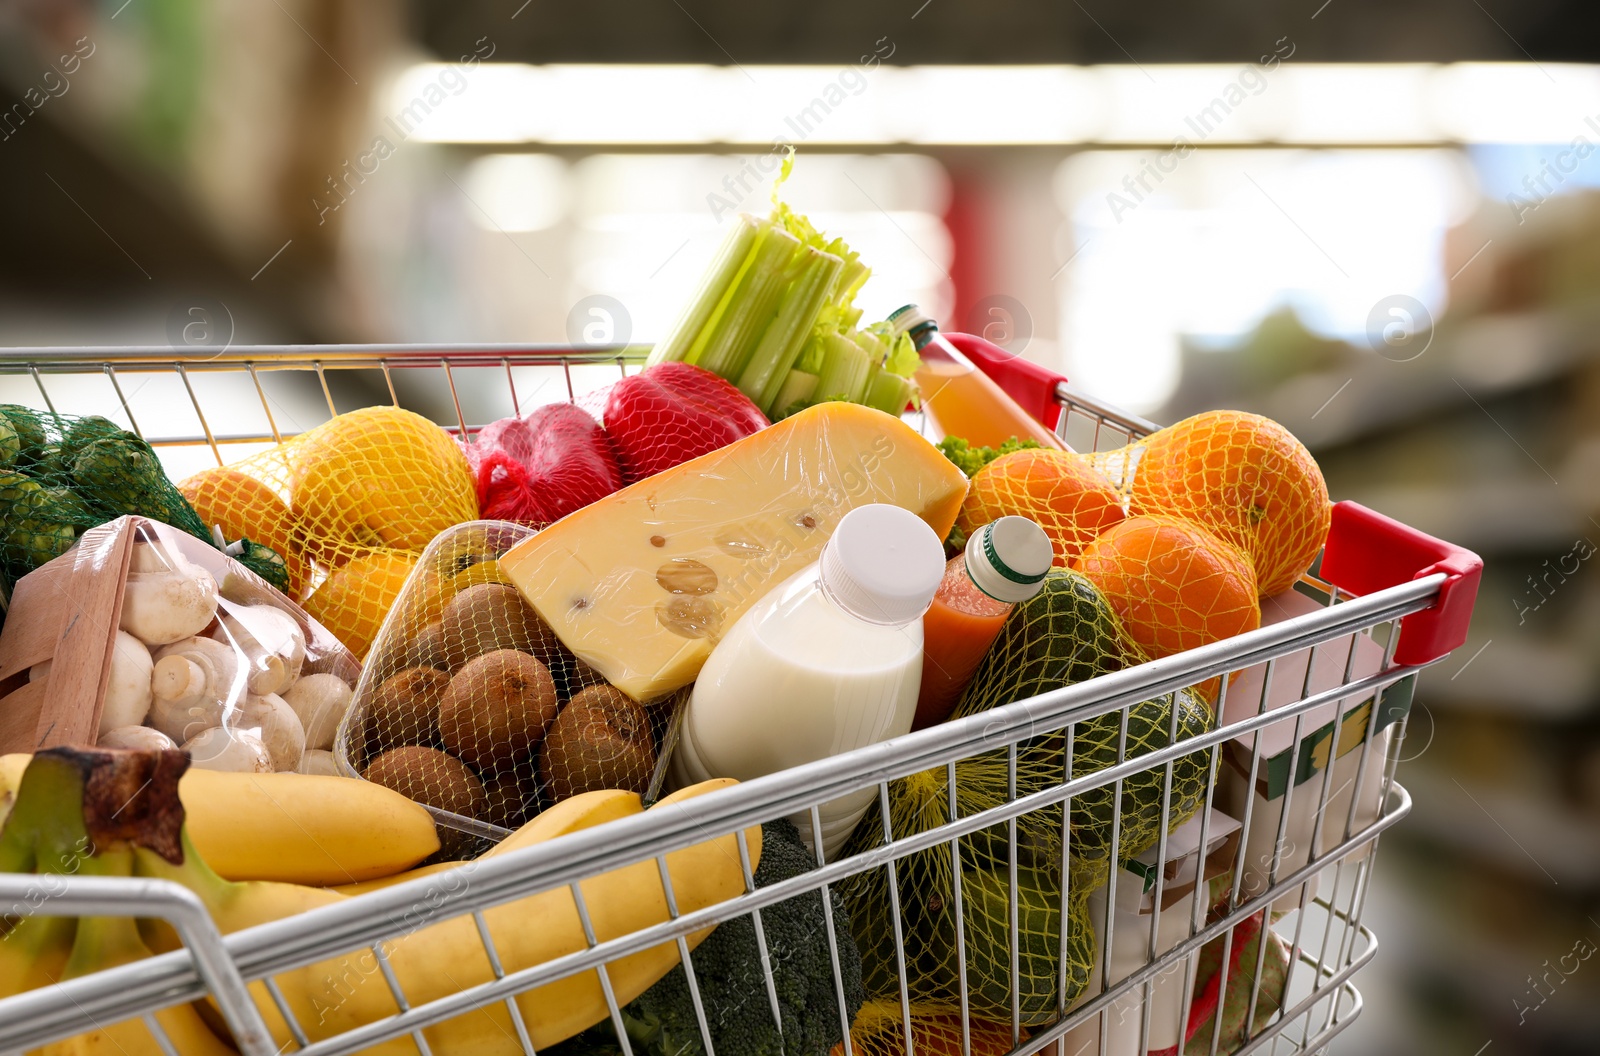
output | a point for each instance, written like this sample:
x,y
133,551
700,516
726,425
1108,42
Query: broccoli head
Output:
x,y
732,983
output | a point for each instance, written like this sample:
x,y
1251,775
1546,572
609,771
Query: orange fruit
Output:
x,y
353,601
1060,491
1246,479
1174,585
247,508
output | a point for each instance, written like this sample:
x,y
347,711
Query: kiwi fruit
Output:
x,y
425,649
496,708
429,776
405,709
601,739
512,796
490,616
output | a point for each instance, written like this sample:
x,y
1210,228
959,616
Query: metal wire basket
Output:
x,y
214,406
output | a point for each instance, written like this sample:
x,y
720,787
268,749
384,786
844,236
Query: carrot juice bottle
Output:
x,y
1004,564
961,399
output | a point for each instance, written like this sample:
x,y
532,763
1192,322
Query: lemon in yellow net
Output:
x,y
378,477
353,601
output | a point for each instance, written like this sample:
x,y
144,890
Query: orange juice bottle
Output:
x,y
1005,563
961,399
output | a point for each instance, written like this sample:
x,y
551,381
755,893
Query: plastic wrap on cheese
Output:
x,y
643,583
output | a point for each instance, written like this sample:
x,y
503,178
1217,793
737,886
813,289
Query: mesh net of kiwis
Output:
x,y
63,474
1068,633
470,704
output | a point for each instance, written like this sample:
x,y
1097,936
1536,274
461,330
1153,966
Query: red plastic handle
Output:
x,y
1032,386
1368,552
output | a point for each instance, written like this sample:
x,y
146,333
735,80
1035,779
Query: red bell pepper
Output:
x,y
673,412
540,468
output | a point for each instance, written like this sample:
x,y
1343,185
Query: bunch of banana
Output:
x,y
299,828
62,823
122,812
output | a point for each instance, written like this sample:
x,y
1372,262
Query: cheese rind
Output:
x,y
641,584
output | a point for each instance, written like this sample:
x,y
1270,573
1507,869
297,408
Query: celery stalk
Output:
x,y
780,346
844,369
730,259
796,388
889,393
752,306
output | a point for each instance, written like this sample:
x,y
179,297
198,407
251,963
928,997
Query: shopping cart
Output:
x,y
1392,590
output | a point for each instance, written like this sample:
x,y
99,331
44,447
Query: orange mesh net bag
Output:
x,y
350,505
469,703
1242,477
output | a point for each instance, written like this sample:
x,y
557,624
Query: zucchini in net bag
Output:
x,y
1066,634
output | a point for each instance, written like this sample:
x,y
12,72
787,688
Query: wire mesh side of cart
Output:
x,y
1320,930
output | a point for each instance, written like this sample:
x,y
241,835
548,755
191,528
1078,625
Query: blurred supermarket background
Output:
x,y
1378,223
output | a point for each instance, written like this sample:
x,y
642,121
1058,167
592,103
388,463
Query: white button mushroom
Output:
x,y
166,598
321,702
128,693
278,727
271,641
138,738
193,681
317,761
220,748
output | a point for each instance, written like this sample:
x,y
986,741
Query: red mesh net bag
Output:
x,y
539,468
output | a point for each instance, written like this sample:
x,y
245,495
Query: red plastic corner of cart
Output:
x,y
1368,552
1032,386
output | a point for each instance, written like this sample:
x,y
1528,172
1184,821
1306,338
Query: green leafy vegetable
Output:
x,y
970,459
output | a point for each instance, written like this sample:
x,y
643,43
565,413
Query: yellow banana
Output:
x,y
298,828
303,828
570,815
106,942
352,890
342,993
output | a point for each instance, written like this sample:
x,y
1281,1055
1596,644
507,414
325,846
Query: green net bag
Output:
x,y
62,474
1066,634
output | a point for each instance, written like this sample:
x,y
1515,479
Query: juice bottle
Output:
x,y
828,661
961,399
1004,564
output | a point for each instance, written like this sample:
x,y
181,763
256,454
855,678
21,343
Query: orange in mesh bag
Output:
x,y
1246,479
469,703
1063,492
1173,585
358,496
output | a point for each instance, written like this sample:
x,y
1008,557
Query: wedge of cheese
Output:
x,y
642,584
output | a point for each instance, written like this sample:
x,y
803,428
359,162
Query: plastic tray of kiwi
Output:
x,y
469,704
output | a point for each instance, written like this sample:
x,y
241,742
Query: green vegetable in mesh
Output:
x,y
986,908
1068,633
66,474
1065,634
31,437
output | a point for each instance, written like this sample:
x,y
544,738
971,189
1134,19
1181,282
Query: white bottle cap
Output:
x,y
882,564
1007,559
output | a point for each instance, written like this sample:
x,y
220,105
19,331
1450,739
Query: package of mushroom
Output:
x,y
471,705
142,636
